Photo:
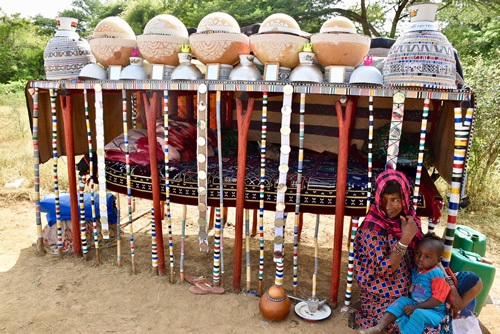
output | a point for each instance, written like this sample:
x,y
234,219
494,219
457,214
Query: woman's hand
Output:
x,y
408,228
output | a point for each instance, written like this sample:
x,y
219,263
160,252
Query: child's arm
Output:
x,y
430,302
440,289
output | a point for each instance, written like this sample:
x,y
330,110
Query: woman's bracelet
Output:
x,y
402,245
398,249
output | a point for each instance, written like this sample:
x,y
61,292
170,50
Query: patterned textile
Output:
x,y
49,235
379,287
318,185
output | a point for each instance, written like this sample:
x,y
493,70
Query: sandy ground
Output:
x,y
48,294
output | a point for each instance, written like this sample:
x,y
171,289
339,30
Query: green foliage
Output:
x,y
483,170
472,30
22,45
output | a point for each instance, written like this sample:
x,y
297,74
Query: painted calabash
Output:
x,y
218,39
274,304
162,40
113,42
338,44
279,40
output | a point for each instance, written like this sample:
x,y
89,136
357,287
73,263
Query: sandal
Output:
x,y
205,289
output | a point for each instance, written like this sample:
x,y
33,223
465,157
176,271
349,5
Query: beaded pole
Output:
x,y
202,167
154,243
299,189
398,110
167,186
421,146
183,240
219,219
462,130
263,144
247,248
101,173
217,248
129,181
279,222
53,96
355,220
36,170
95,233
83,223
370,151
316,247
118,232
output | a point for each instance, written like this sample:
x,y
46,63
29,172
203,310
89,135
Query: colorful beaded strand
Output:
x,y
53,96
36,170
279,223
298,193
263,144
421,146
101,164
462,130
95,232
129,180
167,186
396,128
83,223
219,220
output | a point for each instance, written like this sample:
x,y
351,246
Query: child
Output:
x,y
428,292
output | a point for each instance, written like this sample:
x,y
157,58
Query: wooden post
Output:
x,y
344,121
67,111
244,118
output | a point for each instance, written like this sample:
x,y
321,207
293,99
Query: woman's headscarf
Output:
x,y
377,219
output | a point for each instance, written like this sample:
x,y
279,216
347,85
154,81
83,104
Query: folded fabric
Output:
x,y
48,205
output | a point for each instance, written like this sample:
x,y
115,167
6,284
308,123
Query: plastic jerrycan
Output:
x,y
462,260
470,240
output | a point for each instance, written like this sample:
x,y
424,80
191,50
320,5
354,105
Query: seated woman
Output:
x,y
384,248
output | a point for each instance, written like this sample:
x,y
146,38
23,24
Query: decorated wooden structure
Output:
x,y
320,129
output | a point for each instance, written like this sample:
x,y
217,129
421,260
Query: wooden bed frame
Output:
x,y
338,112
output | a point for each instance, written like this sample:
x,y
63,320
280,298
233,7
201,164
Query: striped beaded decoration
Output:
x,y
167,185
101,165
53,96
396,127
83,223
263,144
154,244
350,263
299,185
36,169
462,130
217,238
95,233
421,146
219,220
286,112
202,154
129,181
183,238
370,151
247,248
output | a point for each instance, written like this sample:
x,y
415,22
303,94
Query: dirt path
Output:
x,y
51,295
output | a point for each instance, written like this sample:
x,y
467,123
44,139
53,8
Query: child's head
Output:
x,y
429,251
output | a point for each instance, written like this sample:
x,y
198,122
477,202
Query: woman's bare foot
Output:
x,y
372,330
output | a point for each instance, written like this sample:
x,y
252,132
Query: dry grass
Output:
x,y
16,157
